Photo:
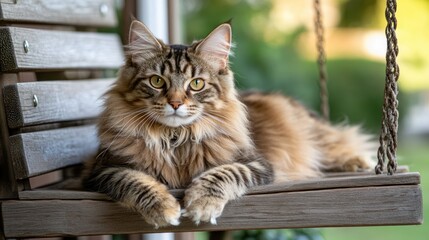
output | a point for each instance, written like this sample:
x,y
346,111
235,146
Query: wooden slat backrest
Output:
x,y
57,101
24,49
85,13
33,107
35,153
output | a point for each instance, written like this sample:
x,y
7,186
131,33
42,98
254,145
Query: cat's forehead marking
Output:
x,y
178,51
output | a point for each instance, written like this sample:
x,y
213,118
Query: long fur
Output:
x,y
232,142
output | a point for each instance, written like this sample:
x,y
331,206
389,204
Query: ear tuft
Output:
x,y
143,44
140,34
217,45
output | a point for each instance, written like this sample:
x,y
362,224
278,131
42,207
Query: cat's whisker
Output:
x,y
121,131
123,114
143,121
144,118
130,122
148,119
140,120
151,118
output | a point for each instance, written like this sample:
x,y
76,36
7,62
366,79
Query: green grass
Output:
x,y
416,156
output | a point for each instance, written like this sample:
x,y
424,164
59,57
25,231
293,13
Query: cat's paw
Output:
x,y
357,164
201,206
164,211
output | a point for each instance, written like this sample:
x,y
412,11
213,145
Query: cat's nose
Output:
x,y
175,104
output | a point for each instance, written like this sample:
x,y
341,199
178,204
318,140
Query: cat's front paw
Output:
x,y
201,206
163,211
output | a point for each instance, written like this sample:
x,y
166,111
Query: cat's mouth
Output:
x,y
176,120
177,114
177,117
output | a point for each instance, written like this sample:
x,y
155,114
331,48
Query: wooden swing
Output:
x,y
49,126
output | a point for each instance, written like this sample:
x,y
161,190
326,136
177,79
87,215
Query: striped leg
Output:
x,y
208,194
137,191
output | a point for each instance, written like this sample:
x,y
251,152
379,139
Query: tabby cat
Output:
x,y
174,119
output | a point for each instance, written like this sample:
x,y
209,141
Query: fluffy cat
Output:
x,y
173,119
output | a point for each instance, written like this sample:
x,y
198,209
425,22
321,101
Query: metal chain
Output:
x,y
321,60
389,126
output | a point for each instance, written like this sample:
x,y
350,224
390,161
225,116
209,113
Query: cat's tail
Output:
x,y
346,148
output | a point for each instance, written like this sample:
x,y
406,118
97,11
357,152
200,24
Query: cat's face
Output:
x,y
177,85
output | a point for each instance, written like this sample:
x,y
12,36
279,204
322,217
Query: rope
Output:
x,y
321,60
389,126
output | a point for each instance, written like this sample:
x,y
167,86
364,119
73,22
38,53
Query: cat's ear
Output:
x,y
217,46
141,36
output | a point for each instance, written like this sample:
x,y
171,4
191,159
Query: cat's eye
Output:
x,y
197,84
157,81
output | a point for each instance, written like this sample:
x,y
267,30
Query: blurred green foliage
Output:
x,y
358,13
355,85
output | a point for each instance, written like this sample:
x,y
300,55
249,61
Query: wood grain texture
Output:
x,y
46,194
399,169
57,50
61,192
57,101
50,194
364,206
99,13
340,182
35,153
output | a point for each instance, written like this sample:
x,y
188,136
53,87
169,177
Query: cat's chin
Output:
x,y
177,121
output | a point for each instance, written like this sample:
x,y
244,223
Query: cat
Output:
x,y
174,119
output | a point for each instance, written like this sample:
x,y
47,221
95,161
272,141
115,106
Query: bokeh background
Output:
x,y
276,51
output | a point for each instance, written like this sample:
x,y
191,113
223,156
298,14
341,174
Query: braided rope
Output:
x,y
321,60
389,126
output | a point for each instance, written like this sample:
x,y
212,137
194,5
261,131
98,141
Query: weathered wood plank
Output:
x,y
340,182
399,169
35,153
387,205
57,50
47,194
76,12
311,184
56,101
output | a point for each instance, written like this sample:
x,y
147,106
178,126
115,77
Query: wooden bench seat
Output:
x,y
338,201
48,127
